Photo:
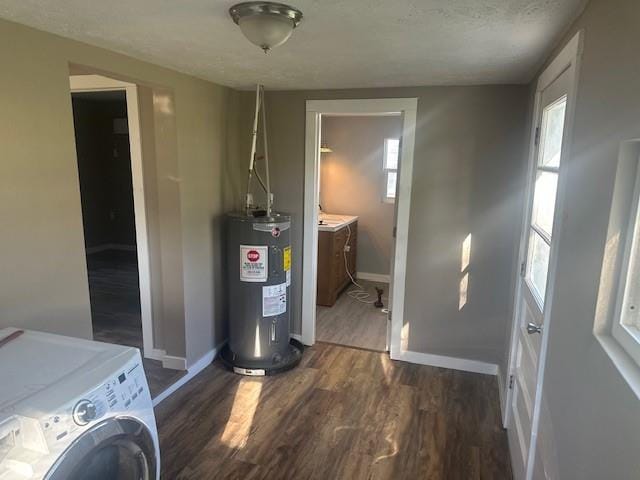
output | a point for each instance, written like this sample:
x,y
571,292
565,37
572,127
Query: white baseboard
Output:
x,y
155,354
174,363
297,337
443,361
192,371
373,277
110,246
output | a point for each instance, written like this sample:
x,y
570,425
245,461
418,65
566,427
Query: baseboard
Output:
x,y
155,354
192,371
296,336
110,246
374,277
443,361
174,363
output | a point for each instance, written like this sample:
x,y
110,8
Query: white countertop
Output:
x,y
328,222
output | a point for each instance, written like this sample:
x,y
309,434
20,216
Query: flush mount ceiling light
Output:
x,y
266,24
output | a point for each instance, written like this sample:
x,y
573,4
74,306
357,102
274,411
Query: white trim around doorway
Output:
x,y
407,107
98,83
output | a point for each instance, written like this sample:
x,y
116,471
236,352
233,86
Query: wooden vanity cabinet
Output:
x,y
332,272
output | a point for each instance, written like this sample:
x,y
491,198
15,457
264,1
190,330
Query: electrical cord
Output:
x,y
359,294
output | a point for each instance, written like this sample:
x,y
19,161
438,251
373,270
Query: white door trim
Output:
x,y
97,83
314,110
568,60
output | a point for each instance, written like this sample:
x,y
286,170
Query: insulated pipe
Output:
x,y
254,137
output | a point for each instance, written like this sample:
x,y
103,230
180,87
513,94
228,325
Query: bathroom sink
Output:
x,y
328,222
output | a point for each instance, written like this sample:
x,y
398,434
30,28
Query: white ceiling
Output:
x,y
339,44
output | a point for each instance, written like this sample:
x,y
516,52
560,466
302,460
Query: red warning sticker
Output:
x,y
254,263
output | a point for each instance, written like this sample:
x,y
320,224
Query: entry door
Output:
x,y
536,271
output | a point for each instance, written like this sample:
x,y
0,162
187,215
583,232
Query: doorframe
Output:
x,y
99,83
407,107
567,60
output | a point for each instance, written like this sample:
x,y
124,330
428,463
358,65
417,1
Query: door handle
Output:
x,y
533,328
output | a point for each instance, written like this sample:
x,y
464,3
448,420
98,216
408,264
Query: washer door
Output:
x,y
115,449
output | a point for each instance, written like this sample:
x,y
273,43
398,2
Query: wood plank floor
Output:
x,y
344,413
115,310
353,323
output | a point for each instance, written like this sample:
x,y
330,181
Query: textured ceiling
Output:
x,y
339,44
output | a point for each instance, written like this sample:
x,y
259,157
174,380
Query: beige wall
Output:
x,y
467,180
593,416
43,279
352,183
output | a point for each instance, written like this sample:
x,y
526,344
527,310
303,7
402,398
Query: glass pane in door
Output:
x,y
544,201
551,135
538,264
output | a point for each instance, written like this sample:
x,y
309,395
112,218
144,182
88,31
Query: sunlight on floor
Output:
x,y
387,367
245,403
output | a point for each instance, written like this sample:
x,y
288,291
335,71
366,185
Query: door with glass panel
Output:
x,y
536,276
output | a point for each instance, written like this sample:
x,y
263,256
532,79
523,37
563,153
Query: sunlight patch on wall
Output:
x,y
404,337
464,287
466,253
465,262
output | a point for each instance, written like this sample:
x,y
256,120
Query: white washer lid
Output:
x,y
34,361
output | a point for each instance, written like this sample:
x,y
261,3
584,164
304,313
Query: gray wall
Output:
x,y
352,183
43,278
593,417
468,172
104,169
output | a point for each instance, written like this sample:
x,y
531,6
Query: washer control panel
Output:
x,y
123,390
120,393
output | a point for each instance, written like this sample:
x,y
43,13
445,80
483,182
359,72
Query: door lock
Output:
x,y
533,328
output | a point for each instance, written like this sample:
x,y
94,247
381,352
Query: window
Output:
x,y
390,167
626,323
544,197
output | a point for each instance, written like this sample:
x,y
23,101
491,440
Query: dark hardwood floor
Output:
x,y
344,413
353,323
115,310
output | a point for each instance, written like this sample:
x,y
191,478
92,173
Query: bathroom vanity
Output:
x,y
333,238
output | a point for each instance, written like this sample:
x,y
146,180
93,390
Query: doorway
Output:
x,y
357,188
319,111
553,117
109,154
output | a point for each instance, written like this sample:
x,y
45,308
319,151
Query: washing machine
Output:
x,y
73,409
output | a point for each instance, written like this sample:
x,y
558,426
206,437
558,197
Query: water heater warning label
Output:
x,y
274,300
254,263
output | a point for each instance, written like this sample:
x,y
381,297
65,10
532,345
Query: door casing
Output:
x,y
407,107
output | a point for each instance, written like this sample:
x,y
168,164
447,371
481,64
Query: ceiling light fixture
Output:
x,y
266,24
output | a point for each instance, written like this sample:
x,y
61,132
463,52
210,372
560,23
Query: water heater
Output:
x,y
259,278
259,283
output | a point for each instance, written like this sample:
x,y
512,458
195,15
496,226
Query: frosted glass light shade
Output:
x,y
266,31
265,24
